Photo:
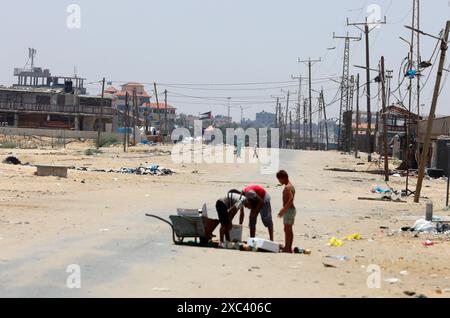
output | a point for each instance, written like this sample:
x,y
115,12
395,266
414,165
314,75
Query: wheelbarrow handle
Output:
x,y
165,221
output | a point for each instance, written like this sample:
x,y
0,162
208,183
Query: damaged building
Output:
x,y
22,107
43,101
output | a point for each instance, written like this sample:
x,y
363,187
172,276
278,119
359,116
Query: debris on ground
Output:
x,y
334,242
428,243
12,161
298,250
380,190
423,225
353,237
153,170
392,280
383,199
339,258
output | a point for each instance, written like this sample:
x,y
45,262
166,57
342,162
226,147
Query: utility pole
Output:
x,y
345,81
385,118
286,119
299,101
166,130
437,88
229,112
417,20
305,122
126,118
135,114
290,129
357,117
367,31
310,63
325,118
319,130
278,117
349,126
157,106
276,113
100,120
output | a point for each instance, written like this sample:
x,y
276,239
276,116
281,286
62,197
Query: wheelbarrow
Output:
x,y
196,227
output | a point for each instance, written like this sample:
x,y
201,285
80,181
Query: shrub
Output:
x,y
92,152
107,140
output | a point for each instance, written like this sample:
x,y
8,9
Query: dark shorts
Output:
x,y
266,214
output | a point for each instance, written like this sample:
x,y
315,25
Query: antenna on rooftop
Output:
x,y
31,55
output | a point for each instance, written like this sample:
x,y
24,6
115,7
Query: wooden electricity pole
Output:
x,y
357,117
166,131
310,63
100,120
325,117
366,31
135,115
437,88
126,120
157,106
385,119
286,119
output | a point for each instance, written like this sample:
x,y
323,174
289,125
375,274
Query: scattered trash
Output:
x,y
392,280
404,273
12,161
423,225
302,251
381,191
339,258
353,237
396,175
329,265
385,198
265,245
161,289
153,170
442,227
104,230
409,293
335,242
428,243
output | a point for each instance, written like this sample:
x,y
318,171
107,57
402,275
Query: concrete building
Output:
x,y
54,109
265,119
158,114
142,96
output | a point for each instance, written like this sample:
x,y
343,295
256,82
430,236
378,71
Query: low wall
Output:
x,y
55,133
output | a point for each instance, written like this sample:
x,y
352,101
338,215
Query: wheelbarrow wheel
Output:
x,y
179,240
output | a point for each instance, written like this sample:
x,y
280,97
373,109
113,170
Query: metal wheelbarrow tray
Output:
x,y
196,227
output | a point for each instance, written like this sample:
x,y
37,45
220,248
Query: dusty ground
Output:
x,y
96,220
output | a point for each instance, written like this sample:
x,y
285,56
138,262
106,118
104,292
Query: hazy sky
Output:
x,y
212,42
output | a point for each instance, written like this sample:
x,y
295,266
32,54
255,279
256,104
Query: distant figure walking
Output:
x,y
238,148
255,151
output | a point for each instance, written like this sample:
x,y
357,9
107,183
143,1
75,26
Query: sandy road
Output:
x,y
100,226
